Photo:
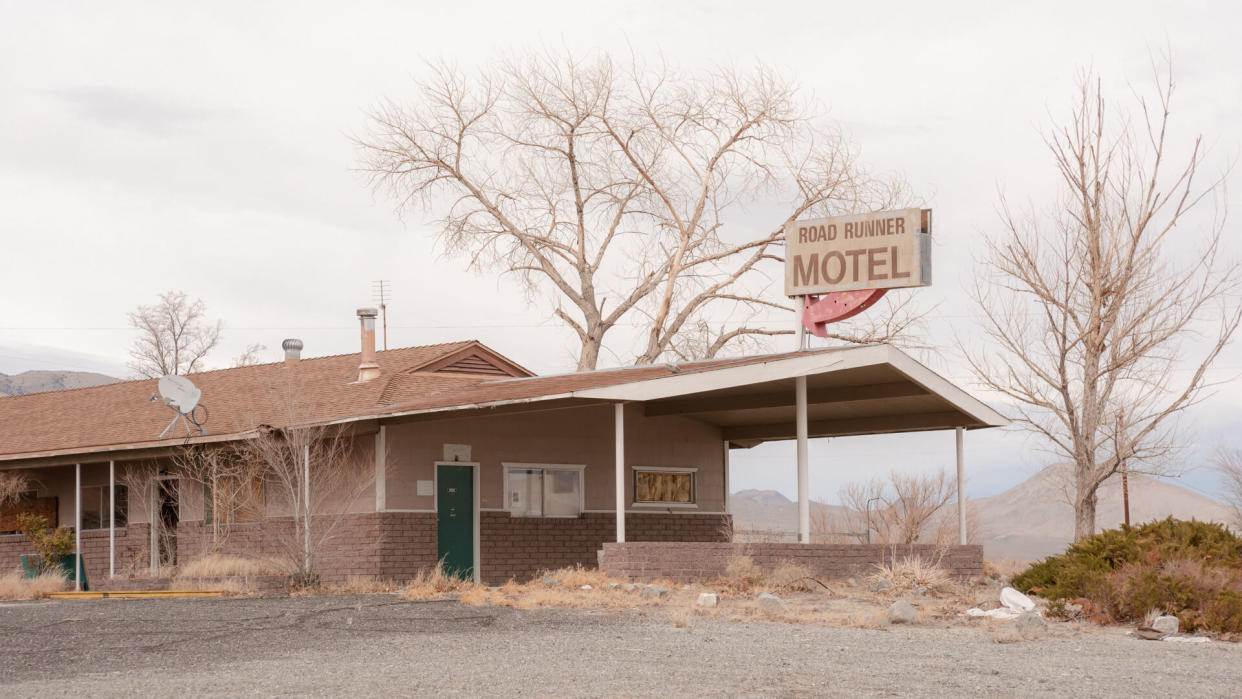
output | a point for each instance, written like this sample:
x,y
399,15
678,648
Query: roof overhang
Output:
x,y
875,389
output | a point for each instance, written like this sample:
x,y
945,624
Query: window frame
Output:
x,y
103,506
693,472
580,469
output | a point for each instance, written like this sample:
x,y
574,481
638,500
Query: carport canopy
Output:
x,y
875,389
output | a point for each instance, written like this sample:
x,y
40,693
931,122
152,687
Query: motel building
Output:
x,y
468,458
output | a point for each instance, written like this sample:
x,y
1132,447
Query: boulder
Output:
x,y
708,599
902,612
654,592
549,580
882,586
1166,624
1030,625
770,603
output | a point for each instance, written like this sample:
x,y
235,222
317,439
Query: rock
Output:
x,y
708,599
551,581
630,587
1166,624
920,590
882,586
1030,625
851,582
654,592
902,612
613,586
1148,634
586,587
770,603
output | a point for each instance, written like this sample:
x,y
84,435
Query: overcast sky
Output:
x,y
205,147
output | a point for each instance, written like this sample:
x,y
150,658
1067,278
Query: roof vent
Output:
x,y
293,350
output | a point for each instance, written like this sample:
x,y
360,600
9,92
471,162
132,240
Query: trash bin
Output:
x,y
67,566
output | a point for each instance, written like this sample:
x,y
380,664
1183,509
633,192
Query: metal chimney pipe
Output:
x,y
367,367
293,350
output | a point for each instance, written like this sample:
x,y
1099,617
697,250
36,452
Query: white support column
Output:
x,y
619,437
961,489
77,526
727,498
801,329
111,519
804,505
381,469
306,524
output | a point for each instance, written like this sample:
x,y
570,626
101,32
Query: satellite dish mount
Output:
x,y
181,395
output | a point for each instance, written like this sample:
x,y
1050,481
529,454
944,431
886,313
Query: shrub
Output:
x,y
911,573
51,546
1191,569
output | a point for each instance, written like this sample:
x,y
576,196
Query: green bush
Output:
x,y
50,545
1190,569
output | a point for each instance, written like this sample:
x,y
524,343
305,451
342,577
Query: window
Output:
x,y
233,501
95,506
664,486
537,490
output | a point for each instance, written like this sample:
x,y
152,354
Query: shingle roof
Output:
x,y
322,389
237,400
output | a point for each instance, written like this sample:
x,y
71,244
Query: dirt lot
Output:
x,y
377,644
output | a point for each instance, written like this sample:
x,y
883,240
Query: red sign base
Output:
x,y
818,312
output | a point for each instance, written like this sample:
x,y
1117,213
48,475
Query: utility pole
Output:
x,y
381,291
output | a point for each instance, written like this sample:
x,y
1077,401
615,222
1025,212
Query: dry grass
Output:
x,y
430,584
912,573
743,574
1004,567
15,586
221,566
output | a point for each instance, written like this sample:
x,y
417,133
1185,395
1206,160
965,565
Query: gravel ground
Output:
x,y
377,645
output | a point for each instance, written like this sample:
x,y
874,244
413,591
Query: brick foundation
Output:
x,y
397,545
699,562
520,547
132,543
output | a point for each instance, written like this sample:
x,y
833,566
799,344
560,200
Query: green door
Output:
x,y
455,519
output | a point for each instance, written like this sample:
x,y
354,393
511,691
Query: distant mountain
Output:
x,y
1034,519
40,381
762,515
1029,521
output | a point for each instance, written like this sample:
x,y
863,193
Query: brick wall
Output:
x,y
697,562
386,545
132,543
520,547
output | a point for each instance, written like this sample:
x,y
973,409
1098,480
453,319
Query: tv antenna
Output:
x,y
381,291
181,395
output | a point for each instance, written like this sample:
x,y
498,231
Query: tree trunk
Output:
x,y
1084,517
589,356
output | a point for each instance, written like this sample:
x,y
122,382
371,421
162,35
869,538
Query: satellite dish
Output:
x,y
179,393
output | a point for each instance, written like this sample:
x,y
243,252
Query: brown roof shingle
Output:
x,y
315,390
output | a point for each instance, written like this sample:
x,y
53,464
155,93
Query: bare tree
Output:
x,y
251,355
901,509
610,188
232,482
174,336
319,475
1228,463
12,485
1096,308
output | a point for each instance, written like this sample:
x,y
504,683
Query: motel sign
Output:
x,y
880,250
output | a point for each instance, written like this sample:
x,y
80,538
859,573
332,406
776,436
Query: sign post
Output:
x,y
853,260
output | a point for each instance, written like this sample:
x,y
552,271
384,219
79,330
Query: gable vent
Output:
x,y
473,364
